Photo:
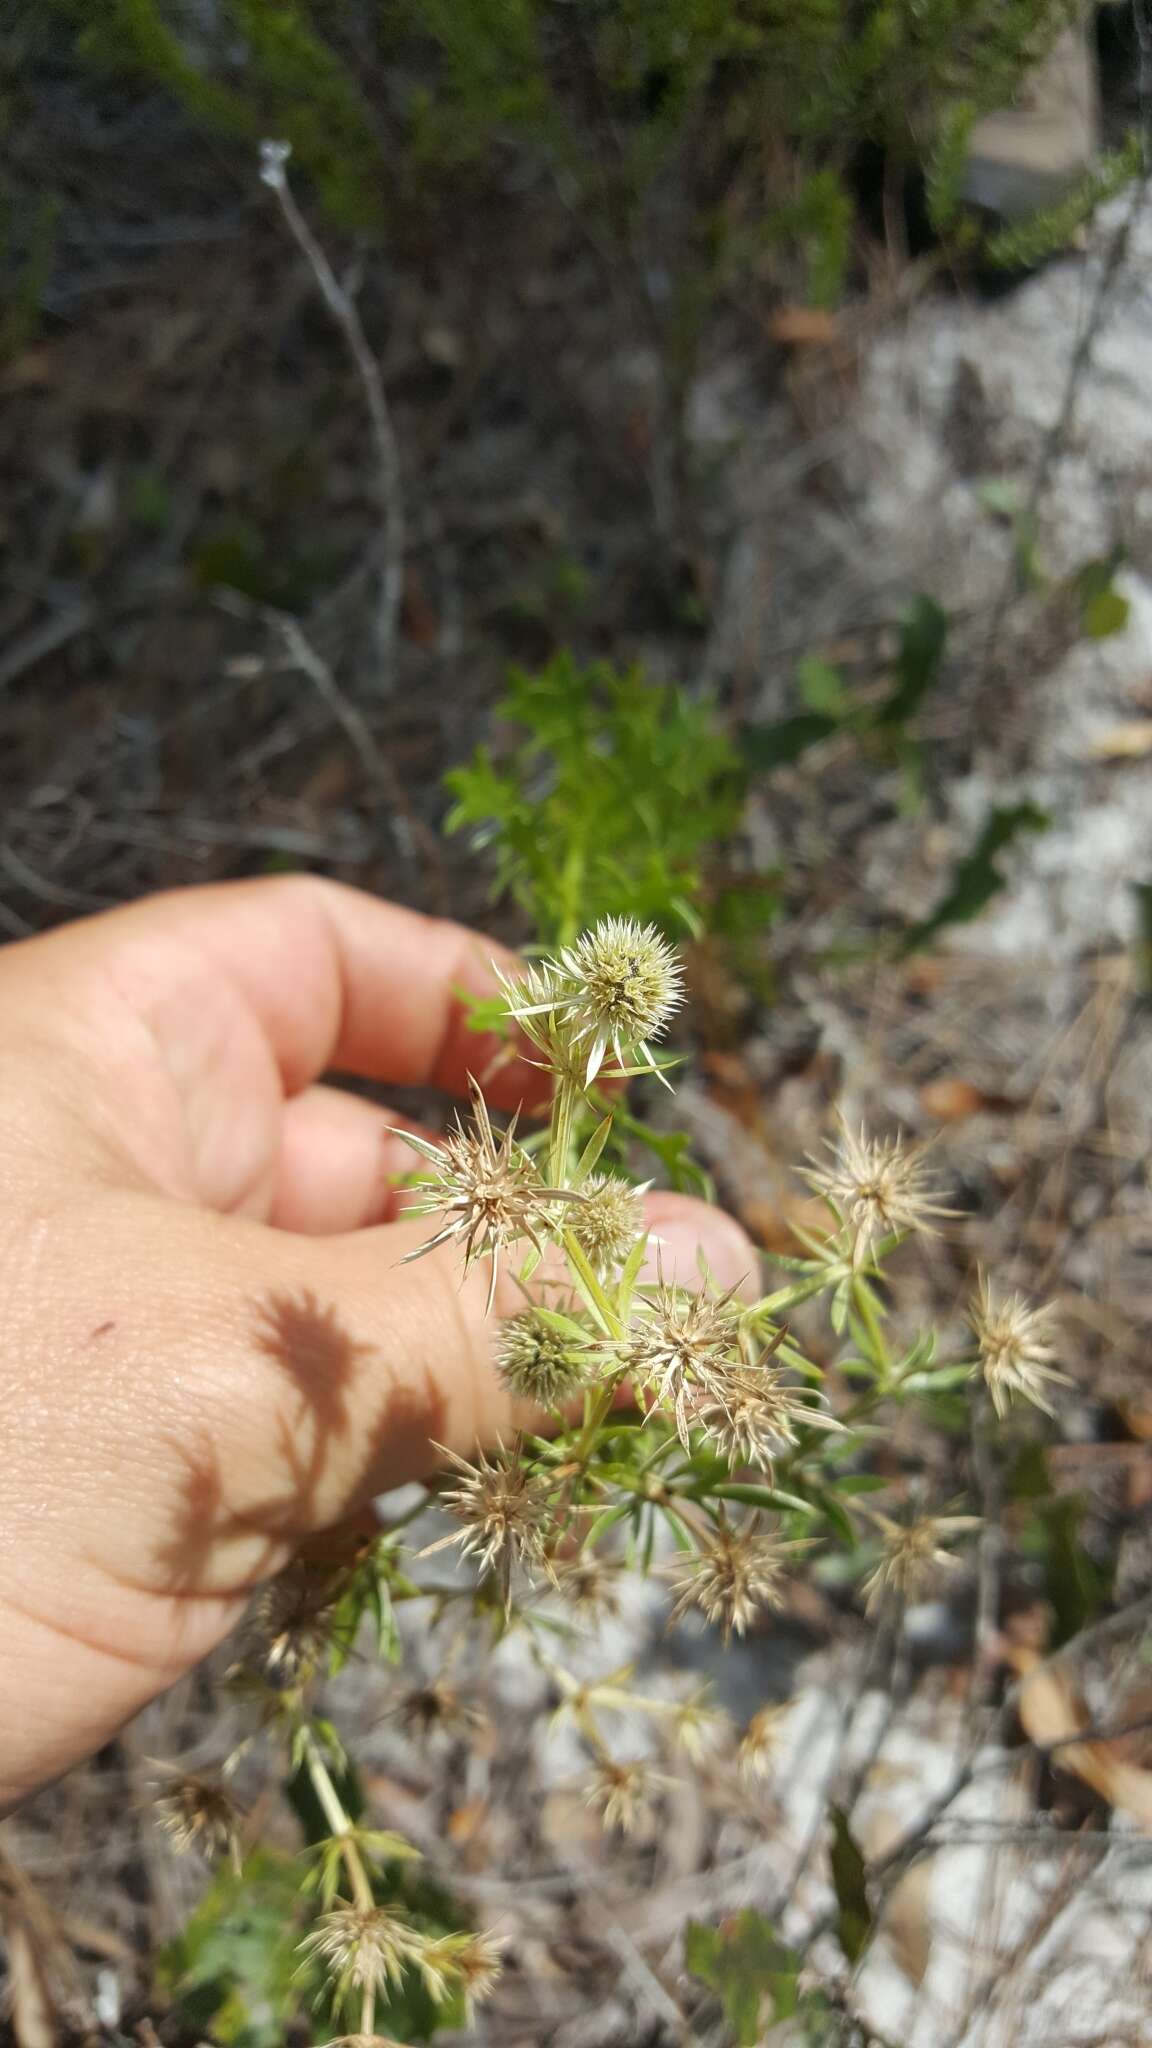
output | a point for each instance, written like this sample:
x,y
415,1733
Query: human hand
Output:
x,y
211,1351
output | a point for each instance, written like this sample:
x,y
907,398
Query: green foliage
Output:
x,y
1032,241
946,164
922,638
756,1976
977,877
853,1909
717,137
1104,610
25,266
1077,1584
237,1971
268,69
235,1967
608,805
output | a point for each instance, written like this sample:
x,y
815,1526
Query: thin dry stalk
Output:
x,y
273,158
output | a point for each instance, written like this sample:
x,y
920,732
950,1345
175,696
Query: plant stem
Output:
x,y
560,1133
344,1830
340,1821
866,1309
800,1290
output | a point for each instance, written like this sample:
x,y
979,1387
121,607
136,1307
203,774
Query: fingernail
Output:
x,y
691,1233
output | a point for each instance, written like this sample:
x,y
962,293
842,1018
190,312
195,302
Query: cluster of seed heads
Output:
x,y
711,1373
372,1949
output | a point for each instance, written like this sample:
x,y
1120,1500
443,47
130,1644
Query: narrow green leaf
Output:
x,y
592,1150
977,877
849,1881
923,636
777,746
769,1497
625,1286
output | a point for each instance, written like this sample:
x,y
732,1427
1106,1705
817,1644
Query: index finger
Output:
x,y
337,980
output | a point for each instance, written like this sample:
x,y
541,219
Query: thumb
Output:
x,y
694,1240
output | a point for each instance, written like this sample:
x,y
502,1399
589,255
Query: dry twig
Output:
x,y
273,158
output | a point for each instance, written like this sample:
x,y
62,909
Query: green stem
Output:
x,y
869,1315
800,1290
599,1409
587,1275
560,1134
341,1823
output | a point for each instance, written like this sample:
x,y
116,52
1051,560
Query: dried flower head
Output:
x,y
504,1509
363,1948
623,1794
434,1709
533,997
489,1188
617,987
197,1813
733,1577
696,1726
290,1625
758,1413
542,1357
609,1220
590,1584
683,1350
1015,1349
913,1554
877,1186
759,1745
466,1964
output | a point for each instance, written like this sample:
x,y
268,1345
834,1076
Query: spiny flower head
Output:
x,y
291,1624
623,1794
609,1220
1015,1349
197,1813
436,1709
459,1963
759,1745
615,989
734,1576
590,1584
542,1357
695,1724
363,1948
758,1412
504,1509
913,1554
489,1188
877,1186
622,983
682,1349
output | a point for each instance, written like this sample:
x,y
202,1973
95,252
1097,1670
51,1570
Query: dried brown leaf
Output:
x,y
803,326
1127,742
908,1922
1051,1711
949,1099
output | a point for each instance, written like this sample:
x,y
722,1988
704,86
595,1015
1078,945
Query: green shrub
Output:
x,y
699,134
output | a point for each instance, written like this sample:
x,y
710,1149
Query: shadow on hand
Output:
x,y
321,1358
